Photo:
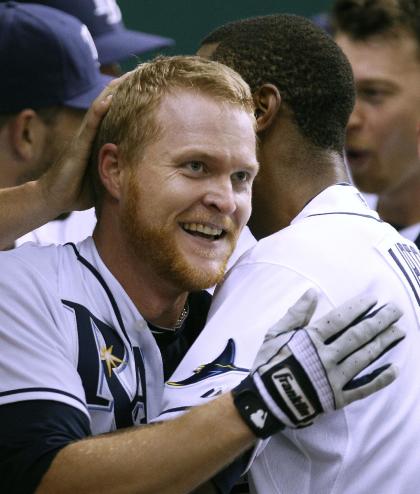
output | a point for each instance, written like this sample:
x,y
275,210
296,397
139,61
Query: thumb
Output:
x,y
297,316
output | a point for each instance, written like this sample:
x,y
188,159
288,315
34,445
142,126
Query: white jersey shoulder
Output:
x,y
70,333
75,228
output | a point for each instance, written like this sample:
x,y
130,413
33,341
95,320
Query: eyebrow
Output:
x,y
200,154
254,165
365,81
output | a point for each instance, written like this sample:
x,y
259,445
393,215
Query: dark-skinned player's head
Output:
x,y
311,73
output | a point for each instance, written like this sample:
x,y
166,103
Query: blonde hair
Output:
x,y
131,122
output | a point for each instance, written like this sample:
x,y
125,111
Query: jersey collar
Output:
x,y
338,198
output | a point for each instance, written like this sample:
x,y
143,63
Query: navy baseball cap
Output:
x,y
48,58
113,40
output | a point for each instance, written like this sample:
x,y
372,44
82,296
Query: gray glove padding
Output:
x,y
301,371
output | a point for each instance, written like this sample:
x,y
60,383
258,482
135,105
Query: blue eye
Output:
x,y
242,176
195,166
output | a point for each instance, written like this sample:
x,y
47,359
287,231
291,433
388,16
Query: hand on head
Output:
x,y
64,185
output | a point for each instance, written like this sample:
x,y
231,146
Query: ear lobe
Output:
x,y
109,169
267,101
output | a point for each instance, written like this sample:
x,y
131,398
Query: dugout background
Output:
x,y
188,21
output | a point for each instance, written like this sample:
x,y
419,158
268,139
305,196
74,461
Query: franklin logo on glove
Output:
x,y
292,393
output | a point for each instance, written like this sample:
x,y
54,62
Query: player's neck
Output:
x,y
401,205
9,167
158,300
290,176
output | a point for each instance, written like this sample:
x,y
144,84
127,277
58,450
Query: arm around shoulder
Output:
x,y
172,457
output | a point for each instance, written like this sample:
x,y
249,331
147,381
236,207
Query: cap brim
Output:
x,y
83,100
120,44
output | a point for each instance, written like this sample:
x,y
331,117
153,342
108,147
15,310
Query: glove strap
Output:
x,y
254,411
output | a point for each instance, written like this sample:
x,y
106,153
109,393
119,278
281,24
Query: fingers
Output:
x,y
94,115
331,325
81,145
366,330
361,359
378,381
297,316
96,112
101,103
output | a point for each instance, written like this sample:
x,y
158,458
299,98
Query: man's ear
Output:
x,y
27,134
110,169
267,102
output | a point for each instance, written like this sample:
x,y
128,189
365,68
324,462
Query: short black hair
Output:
x,y
311,72
363,19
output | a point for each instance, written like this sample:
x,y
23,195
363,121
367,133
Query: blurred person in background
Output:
x,y
52,77
381,39
62,188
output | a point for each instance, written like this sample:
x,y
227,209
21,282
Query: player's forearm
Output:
x,y
22,209
171,457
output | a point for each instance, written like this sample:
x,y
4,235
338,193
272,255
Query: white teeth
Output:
x,y
199,227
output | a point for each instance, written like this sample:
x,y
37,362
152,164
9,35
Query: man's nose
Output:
x,y
221,196
356,117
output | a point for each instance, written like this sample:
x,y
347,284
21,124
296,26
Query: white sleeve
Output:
x,y
252,298
38,345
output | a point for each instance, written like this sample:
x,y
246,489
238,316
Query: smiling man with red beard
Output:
x,y
178,202
189,196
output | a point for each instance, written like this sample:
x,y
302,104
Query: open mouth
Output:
x,y
204,231
356,157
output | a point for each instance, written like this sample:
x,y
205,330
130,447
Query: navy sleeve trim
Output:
x,y
31,434
40,390
368,216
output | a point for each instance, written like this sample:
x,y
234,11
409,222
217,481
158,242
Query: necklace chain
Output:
x,y
181,319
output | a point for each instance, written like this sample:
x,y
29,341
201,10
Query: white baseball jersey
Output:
x,y
411,232
340,247
75,228
70,333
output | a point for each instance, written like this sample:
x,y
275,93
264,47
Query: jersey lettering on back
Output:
x,y
407,258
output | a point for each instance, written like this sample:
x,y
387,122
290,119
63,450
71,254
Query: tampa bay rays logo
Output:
x,y
220,365
111,385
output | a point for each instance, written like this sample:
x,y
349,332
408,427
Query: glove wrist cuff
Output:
x,y
254,411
